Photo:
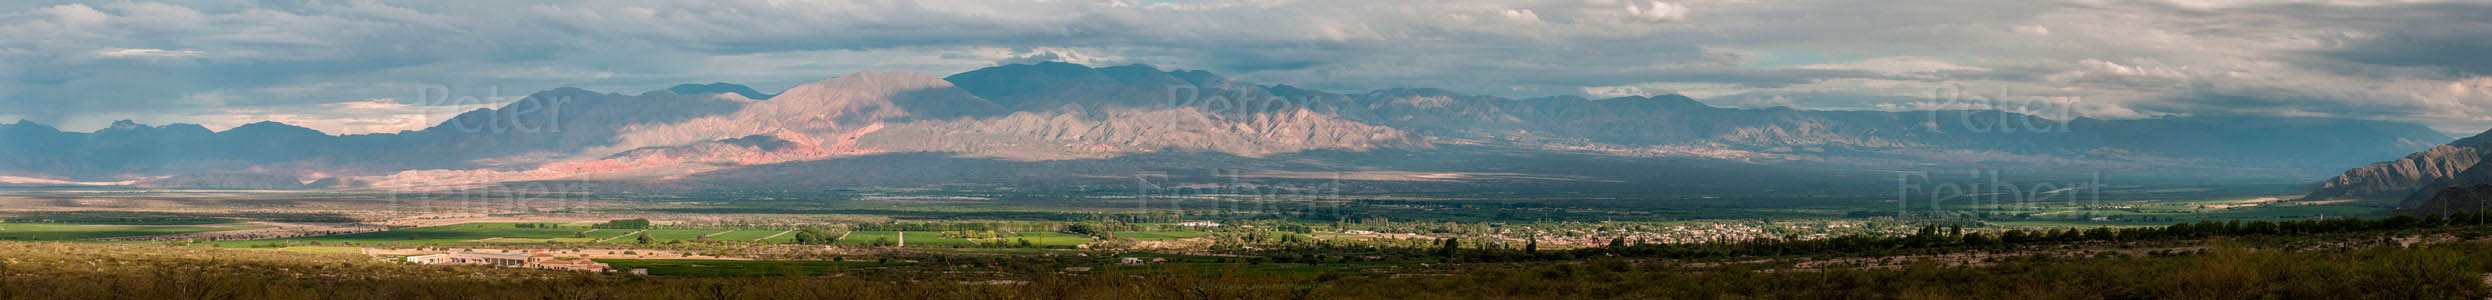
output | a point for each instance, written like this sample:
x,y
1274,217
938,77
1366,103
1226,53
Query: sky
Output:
x,y
384,66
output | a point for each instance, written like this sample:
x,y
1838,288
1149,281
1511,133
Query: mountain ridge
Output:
x,y
719,88
1060,111
2413,176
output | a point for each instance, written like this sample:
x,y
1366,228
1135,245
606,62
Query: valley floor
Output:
x,y
189,246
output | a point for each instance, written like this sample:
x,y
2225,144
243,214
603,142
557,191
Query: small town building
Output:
x,y
1200,224
535,260
471,258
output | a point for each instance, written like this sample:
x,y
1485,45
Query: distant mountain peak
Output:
x,y
1677,100
1407,92
1136,67
274,127
23,124
268,124
129,126
563,92
719,88
870,81
1056,85
125,124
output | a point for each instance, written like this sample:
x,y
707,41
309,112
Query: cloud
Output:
x,y
124,52
2451,39
1657,12
1897,65
82,64
74,14
354,117
2031,29
1040,55
2138,74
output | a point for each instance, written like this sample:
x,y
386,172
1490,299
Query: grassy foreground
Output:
x,y
2221,271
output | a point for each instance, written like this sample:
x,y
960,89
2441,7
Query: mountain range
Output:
x,y
2444,178
2415,172
1060,125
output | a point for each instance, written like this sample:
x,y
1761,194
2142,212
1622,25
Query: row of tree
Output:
x,y
634,224
816,236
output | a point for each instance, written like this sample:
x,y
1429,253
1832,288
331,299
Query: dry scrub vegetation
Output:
x,y
2224,271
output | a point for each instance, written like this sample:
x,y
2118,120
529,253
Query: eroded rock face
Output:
x,y
2404,177
822,109
1031,136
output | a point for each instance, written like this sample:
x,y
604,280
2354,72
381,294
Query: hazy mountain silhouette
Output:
x,y
719,88
1042,113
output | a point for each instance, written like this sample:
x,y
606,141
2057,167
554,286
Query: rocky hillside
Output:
x,y
1056,135
1673,125
2402,178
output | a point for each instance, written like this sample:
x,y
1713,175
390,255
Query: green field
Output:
x,y
748,235
700,267
935,239
62,232
790,237
1160,235
1011,251
477,234
1052,239
459,234
317,250
867,237
120,218
664,235
915,239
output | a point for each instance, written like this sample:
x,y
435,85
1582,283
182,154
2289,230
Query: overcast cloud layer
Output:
x,y
365,66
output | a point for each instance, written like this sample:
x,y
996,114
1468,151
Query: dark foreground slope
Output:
x,y
2469,198
2218,270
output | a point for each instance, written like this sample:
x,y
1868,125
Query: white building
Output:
x,y
471,258
536,260
1200,224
